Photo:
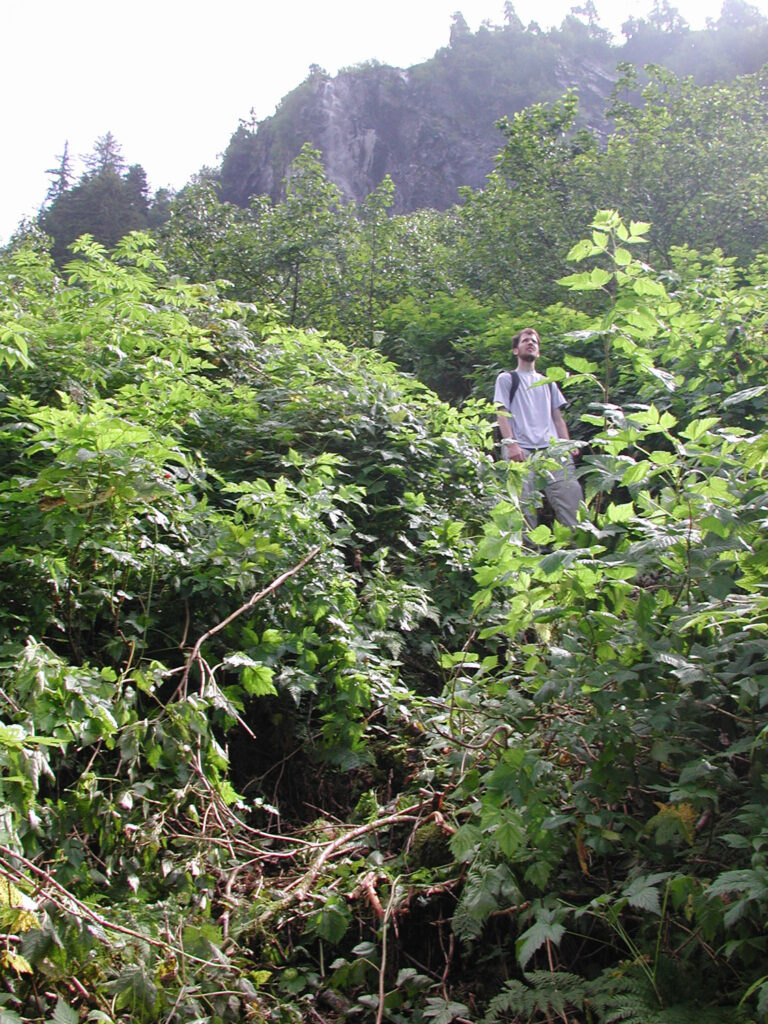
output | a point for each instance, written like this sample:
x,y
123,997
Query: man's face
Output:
x,y
528,345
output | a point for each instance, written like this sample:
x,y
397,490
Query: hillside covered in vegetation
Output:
x,y
295,724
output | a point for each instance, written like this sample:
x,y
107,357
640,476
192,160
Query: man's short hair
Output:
x,y
518,336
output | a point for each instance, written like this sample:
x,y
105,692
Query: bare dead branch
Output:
x,y
250,603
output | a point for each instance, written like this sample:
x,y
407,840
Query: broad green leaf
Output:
x,y
635,474
581,250
598,277
697,429
646,286
580,365
332,921
258,680
510,837
465,841
581,282
620,513
663,458
444,1011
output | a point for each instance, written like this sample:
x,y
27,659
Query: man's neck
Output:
x,y
526,365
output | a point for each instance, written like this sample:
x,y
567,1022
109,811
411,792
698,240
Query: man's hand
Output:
x,y
511,450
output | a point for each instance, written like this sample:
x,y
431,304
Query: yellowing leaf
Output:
x,y
15,961
674,820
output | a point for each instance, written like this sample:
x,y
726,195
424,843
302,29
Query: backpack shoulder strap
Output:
x,y
514,385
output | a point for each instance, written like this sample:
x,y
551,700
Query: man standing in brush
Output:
x,y
530,420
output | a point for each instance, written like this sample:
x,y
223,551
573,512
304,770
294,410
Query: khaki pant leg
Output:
x,y
564,494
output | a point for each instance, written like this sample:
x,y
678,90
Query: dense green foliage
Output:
x,y
295,724
290,717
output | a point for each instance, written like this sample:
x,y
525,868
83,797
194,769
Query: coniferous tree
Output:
x,y
107,202
62,175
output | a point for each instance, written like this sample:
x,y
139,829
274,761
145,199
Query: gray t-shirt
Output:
x,y
532,409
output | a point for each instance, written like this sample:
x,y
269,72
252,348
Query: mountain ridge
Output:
x,y
432,127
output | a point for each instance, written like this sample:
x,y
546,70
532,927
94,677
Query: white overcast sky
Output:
x,y
172,78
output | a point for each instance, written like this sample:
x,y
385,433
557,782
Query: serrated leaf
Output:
x,y
580,365
257,680
443,1011
581,250
620,513
643,893
543,930
465,841
645,286
635,474
697,429
510,837
599,277
64,1014
577,282
662,458
332,922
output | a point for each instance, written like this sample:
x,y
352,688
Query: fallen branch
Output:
x,y
299,889
254,600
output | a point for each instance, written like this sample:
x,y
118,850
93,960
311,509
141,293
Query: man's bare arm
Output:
x,y
560,425
510,449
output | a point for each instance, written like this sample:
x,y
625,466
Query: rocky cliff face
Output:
x,y
366,124
431,128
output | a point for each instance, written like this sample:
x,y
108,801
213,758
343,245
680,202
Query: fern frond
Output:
x,y
543,992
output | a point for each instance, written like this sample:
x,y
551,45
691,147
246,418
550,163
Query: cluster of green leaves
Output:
x,y
617,792
281,680
435,291
216,531
319,261
594,769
